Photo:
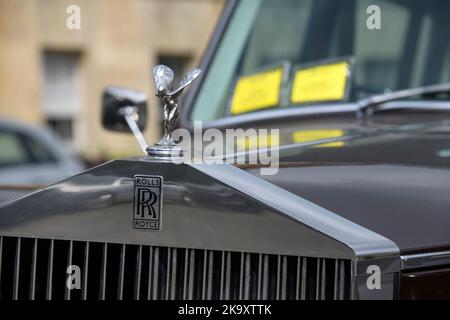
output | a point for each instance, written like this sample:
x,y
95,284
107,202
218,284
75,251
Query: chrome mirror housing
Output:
x,y
117,102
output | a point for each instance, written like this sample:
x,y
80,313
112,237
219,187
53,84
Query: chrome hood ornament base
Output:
x,y
163,77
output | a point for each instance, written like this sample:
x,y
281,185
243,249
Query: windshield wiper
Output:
x,y
368,106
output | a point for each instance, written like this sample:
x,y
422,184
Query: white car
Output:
x,y
32,156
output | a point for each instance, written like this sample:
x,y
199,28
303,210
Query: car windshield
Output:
x,y
304,53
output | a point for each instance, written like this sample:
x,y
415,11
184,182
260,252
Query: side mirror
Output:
x,y
118,102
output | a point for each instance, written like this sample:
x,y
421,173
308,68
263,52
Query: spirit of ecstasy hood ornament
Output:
x,y
163,77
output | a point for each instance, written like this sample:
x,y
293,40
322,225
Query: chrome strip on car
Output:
x,y
276,113
423,260
305,111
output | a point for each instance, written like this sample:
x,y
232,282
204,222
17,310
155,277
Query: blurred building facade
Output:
x,y
53,75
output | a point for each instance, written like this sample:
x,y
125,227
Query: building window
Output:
x,y
62,127
62,93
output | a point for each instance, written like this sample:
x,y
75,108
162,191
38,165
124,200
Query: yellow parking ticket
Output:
x,y
302,136
257,91
320,83
258,141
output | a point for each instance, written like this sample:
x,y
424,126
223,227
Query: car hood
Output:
x,y
394,180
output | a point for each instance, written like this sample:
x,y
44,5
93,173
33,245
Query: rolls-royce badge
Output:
x,y
147,206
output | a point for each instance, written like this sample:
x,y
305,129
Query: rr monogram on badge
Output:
x,y
147,202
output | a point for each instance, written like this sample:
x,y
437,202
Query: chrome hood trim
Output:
x,y
215,207
204,206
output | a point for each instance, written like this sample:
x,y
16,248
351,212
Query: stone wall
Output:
x,y
118,43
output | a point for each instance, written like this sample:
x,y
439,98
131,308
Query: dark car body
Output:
x,y
362,198
390,179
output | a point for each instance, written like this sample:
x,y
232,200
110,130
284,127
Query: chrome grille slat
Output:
x,y
121,272
205,262
317,296
33,270
48,293
150,274
284,279
36,269
323,280
155,274
304,273
85,274
228,277
191,274
103,272
69,262
260,257
16,270
265,279
210,276
137,281
247,277
298,278
241,277
173,274
341,285
278,278
222,275
186,274
168,271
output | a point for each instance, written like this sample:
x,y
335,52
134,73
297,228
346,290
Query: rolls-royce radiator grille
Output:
x,y
38,269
